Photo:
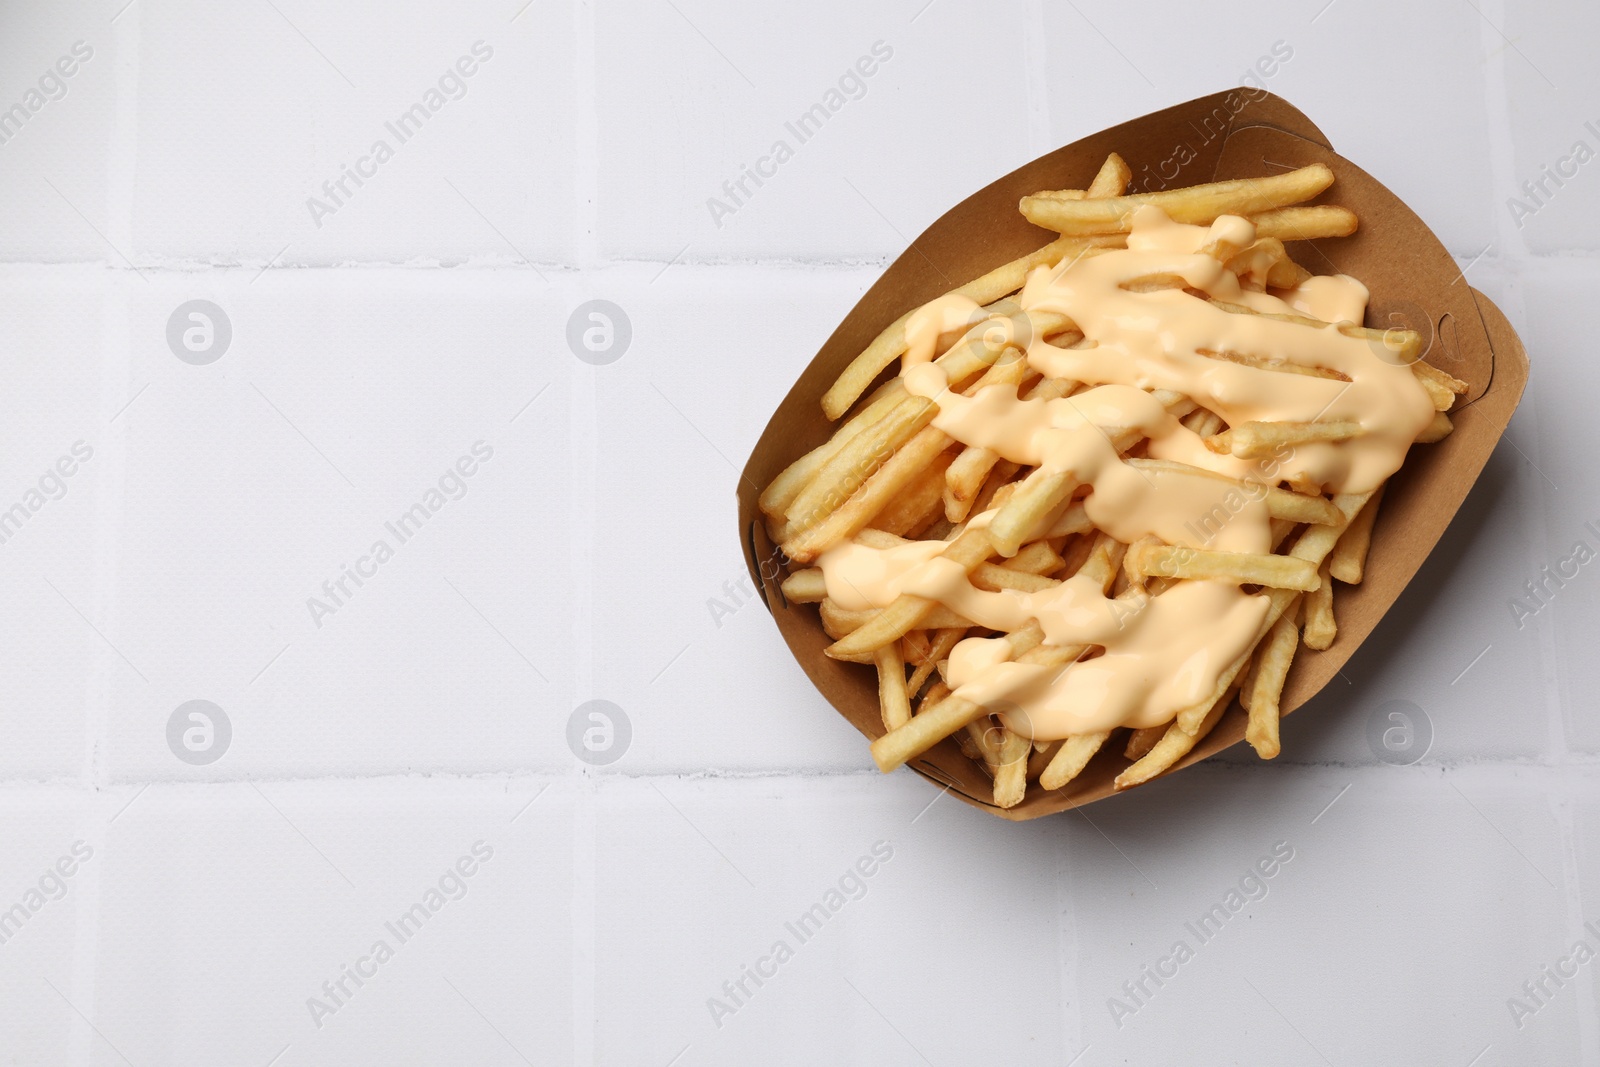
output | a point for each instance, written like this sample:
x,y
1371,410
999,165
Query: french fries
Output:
x,y
1004,530
1196,204
1257,440
1349,559
1176,561
1268,673
1305,223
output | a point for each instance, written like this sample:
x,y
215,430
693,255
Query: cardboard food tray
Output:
x,y
1240,133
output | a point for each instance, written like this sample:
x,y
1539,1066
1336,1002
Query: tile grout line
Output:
x,y
1036,67
1067,956
1573,769
585,498
1497,127
31,268
1578,779
111,485
1502,157
117,362
586,135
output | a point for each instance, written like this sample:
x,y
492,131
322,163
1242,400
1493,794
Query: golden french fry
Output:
x,y
1011,779
1247,679
984,735
1281,503
929,727
991,577
970,549
953,713
893,700
1022,571
842,621
855,462
1305,223
1442,388
1050,389
1348,560
1072,520
964,479
838,621
1104,559
1173,746
1437,430
1312,547
1273,658
805,587
1035,558
1438,383
997,488
1041,757
1260,440
1112,179
966,741
1401,347
890,345
1282,366
870,498
1242,568
1195,204
1265,262
1287,274
1202,422
1071,758
1318,541
1320,628
777,497
1028,507
1141,741
876,538
917,501
1191,718
887,347
938,650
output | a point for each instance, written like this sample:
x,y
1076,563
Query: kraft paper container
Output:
x,y
1414,283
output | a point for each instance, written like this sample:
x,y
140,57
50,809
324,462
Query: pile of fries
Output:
x,y
888,476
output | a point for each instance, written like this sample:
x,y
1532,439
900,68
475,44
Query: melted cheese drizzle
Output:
x,y
1161,653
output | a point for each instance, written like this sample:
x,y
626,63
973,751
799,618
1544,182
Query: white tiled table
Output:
x,y
377,746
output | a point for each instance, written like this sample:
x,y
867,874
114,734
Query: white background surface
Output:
x,y
429,713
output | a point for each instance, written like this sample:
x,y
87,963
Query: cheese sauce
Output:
x,y
1156,654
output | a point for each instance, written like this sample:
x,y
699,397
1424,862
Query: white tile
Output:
x,y
48,867
244,114
736,864
1581,997
1445,131
54,481
1550,87
713,352
55,128
252,898
343,401
1396,903
1556,334
691,93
